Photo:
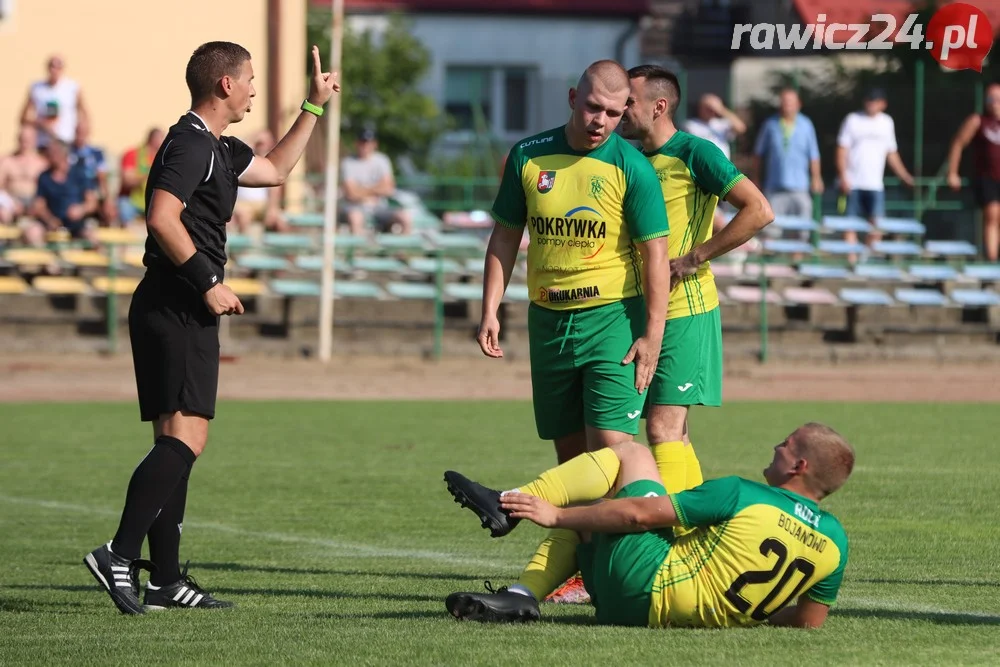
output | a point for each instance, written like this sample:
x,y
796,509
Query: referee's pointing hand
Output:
x,y
324,84
222,301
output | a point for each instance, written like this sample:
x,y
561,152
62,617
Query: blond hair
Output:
x,y
830,457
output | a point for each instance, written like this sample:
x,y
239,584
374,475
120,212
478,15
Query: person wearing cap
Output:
x,y
866,142
367,181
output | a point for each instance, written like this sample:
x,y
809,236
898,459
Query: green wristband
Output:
x,y
311,108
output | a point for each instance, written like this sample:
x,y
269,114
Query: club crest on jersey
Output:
x,y
546,181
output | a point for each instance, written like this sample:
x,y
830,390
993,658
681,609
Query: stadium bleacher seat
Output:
x,y
348,243
429,265
975,298
13,285
456,242
861,296
752,270
950,249
401,242
84,258
60,285
794,224
518,292
787,247
920,297
901,226
304,219
477,264
262,263
464,291
751,294
838,247
116,285
984,272
315,263
24,257
285,287
290,242
809,296
897,248
133,257
237,242
378,264
246,286
838,224
823,271
402,290
9,233
117,236
727,269
879,272
933,272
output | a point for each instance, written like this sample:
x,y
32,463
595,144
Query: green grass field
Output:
x,y
330,527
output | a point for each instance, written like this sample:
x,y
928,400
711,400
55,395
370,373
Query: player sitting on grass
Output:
x,y
729,552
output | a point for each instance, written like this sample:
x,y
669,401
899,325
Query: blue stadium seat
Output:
x,y
315,263
402,290
517,292
788,247
921,297
840,223
236,242
836,247
281,241
379,264
400,242
897,248
304,219
933,272
865,297
950,248
879,272
794,224
295,287
429,265
986,272
455,241
824,271
355,289
975,298
464,291
349,243
908,226
475,265
262,263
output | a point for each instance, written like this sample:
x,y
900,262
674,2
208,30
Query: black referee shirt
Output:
x,y
203,172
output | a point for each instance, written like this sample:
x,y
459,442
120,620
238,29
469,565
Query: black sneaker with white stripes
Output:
x,y
184,593
119,576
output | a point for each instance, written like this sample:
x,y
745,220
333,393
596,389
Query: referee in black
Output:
x,y
174,317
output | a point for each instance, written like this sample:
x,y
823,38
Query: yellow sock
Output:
x,y
694,476
672,462
553,563
583,478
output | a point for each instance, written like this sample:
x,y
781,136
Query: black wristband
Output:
x,y
200,272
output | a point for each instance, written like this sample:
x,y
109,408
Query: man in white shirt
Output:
x,y
716,123
867,141
367,181
54,105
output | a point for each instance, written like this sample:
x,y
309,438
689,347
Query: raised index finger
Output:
x,y
317,65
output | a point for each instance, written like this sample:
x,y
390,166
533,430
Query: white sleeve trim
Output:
x,y
252,158
211,165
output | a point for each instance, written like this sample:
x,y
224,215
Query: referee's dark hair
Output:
x,y
209,63
665,83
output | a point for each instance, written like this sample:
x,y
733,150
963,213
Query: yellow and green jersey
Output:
x,y
694,175
751,549
585,212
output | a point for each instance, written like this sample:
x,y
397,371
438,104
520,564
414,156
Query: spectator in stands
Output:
x,y
63,199
54,105
259,204
134,172
367,182
866,142
20,170
91,160
788,151
716,123
983,132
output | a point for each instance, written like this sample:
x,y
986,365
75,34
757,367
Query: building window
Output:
x,y
503,97
468,94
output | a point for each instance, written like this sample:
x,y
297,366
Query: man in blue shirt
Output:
x,y
91,160
789,153
64,199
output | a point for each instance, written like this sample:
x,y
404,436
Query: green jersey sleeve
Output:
x,y
712,170
825,590
713,502
510,208
645,211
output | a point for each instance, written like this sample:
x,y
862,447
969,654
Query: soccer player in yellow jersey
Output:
x,y
695,175
749,553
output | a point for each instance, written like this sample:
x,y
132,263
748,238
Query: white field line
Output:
x,y
340,547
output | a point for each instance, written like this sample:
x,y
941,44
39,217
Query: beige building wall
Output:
x,y
129,58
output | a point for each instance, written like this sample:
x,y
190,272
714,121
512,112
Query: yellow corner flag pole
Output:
x,y
332,175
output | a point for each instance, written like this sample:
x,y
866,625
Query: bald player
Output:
x,y
598,279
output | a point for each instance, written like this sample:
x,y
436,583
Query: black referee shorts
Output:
x,y
175,348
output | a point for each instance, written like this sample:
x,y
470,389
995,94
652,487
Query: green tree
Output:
x,y
380,73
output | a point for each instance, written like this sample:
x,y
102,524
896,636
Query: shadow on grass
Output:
x,y
930,582
270,569
15,606
940,618
269,592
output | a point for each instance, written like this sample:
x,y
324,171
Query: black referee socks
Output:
x,y
152,484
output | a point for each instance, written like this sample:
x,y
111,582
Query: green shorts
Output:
x,y
577,375
690,368
618,570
